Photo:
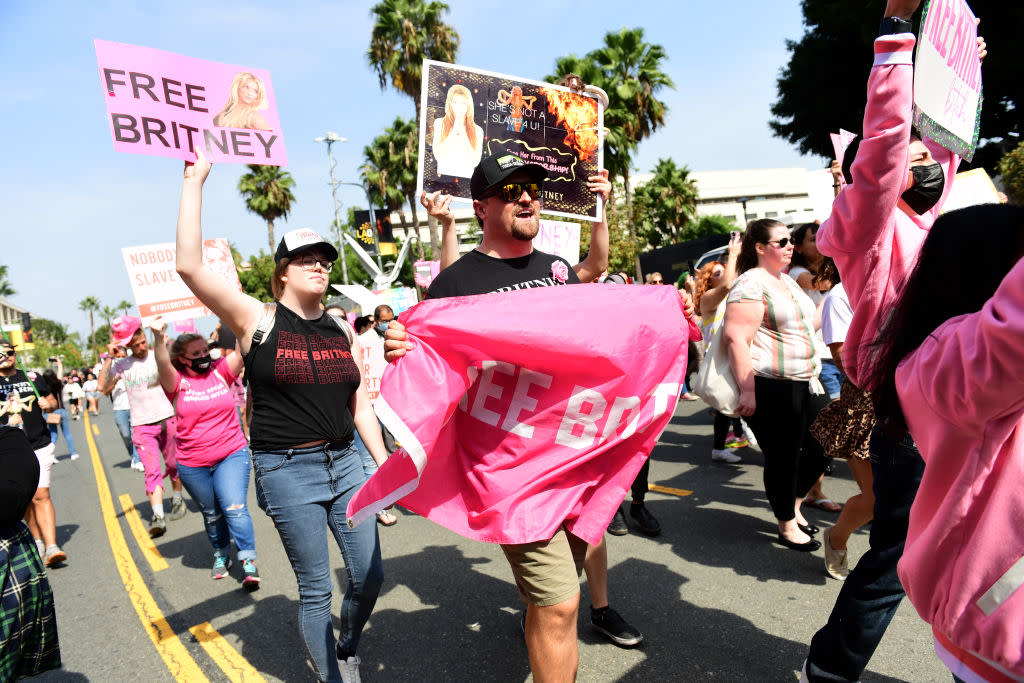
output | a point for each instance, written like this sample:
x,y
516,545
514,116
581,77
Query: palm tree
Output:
x,y
390,172
5,285
667,203
267,191
91,304
108,313
124,305
405,33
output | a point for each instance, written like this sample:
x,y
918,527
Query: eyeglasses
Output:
x,y
511,192
781,244
310,262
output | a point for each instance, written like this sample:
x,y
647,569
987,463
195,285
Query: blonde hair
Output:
x,y
235,114
449,116
276,284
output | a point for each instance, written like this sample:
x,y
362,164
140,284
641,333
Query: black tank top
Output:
x,y
301,379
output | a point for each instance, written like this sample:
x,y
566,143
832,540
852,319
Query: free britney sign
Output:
x,y
163,104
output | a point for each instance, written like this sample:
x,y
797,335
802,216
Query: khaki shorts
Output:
x,y
548,572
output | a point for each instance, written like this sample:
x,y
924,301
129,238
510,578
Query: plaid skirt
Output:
x,y
28,622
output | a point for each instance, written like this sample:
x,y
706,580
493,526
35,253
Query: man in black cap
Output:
x,y
506,199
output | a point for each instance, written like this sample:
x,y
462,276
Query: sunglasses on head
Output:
x,y
781,244
511,192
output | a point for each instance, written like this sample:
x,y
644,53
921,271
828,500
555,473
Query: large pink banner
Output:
x,y
164,104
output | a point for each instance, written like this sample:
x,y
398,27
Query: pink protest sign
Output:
x,y
164,104
947,77
185,326
841,142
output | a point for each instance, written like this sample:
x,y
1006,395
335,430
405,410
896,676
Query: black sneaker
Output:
x,y
618,526
610,624
646,521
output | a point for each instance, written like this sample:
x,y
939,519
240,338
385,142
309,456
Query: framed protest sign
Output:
x,y
468,114
947,77
157,288
163,104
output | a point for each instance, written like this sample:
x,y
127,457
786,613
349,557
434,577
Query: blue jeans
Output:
x,y
369,464
840,651
123,420
65,427
305,491
220,491
831,378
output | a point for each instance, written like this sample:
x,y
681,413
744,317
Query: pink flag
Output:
x,y
520,411
841,142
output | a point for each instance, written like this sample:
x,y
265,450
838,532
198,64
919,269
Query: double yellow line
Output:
x,y
179,662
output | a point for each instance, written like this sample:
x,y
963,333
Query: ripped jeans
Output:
x,y
220,491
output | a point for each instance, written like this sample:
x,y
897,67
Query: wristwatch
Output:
x,y
893,25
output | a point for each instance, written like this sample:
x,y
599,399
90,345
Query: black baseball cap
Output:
x,y
495,169
300,240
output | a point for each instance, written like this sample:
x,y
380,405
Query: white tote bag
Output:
x,y
715,382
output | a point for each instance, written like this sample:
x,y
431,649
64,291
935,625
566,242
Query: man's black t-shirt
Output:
x,y
478,273
32,416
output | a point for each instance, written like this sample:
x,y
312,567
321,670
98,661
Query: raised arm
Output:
x,y
590,268
239,311
107,380
169,377
716,295
440,207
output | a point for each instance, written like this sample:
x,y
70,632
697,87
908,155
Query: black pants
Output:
x,y
722,425
793,459
640,484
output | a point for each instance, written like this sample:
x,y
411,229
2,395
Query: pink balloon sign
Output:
x,y
163,104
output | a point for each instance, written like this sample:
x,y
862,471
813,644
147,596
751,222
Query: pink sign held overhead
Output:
x,y
841,142
163,104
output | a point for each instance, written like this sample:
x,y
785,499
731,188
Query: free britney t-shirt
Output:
x,y
478,273
208,427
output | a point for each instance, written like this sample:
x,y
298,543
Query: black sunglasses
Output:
x,y
11,352
511,192
781,244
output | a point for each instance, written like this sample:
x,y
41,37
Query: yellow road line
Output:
x,y
95,429
142,537
669,490
167,644
234,665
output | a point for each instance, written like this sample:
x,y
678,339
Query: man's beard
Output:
x,y
525,229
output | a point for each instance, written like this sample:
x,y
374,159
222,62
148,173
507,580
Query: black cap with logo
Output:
x,y
495,169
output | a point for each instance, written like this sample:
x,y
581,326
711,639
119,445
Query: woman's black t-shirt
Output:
x,y
301,378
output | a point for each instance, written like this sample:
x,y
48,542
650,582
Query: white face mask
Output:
x,y
216,353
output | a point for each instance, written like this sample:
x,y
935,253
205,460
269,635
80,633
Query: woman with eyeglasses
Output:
x,y
769,332
303,368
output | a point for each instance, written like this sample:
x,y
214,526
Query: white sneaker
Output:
x,y
349,670
138,466
74,456
749,434
724,455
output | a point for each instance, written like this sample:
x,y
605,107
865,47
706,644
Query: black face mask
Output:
x,y
202,363
929,182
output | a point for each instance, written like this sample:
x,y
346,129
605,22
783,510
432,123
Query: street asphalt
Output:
x,y
715,596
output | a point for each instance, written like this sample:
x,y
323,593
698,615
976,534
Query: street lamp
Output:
x,y
330,138
743,201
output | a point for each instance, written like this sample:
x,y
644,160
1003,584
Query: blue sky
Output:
x,y
72,202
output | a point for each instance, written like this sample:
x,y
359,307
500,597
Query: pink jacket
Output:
x,y
873,242
962,392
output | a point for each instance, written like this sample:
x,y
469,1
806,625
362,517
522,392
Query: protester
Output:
x,y
769,333
28,621
26,401
152,416
506,199
75,394
372,364
211,451
712,286
57,419
92,396
123,416
655,278
308,401
949,370
878,222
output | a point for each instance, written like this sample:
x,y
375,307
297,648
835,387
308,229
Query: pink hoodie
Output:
x,y
873,242
962,392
